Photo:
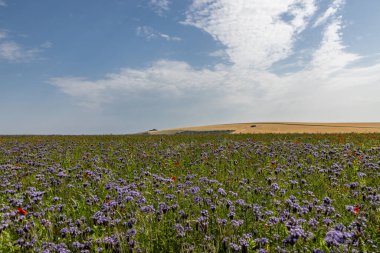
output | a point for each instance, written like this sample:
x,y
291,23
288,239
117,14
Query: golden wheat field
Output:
x,y
279,127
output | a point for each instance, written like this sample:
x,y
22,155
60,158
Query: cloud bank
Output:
x,y
256,34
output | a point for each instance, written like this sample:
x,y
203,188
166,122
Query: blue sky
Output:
x,y
120,66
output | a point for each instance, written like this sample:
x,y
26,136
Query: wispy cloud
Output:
x,y
329,13
329,87
331,56
160,6
149,33
12,51
47,44
3,34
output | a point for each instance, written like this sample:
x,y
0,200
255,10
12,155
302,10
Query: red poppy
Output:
x,y
356,210
21,211
173,178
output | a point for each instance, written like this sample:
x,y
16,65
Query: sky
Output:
x,y
125,66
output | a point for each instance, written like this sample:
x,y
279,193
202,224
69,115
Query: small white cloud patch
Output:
x,y
13,52
149,33
160,6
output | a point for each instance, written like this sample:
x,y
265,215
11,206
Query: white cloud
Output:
x,y
329,87
3,34
12,51
164,77
219,53
46,44
160,6
329,13
251,95
253,31
331,55
149,33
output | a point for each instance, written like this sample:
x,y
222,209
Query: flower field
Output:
x,y
214,193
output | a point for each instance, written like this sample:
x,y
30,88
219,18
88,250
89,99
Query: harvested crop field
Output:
x,y
280,127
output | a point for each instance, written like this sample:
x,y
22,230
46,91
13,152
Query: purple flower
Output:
x,y
180,230
327,201
131,222
313,222
111,241
197,199
261,241
273,220
147,209
169,196
204,213
237,223
233,193
243,242
235,247
163,207
131,233
295,233
336,237
194,189
78,245
100,219
222,222
274,187
222,192
240,202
